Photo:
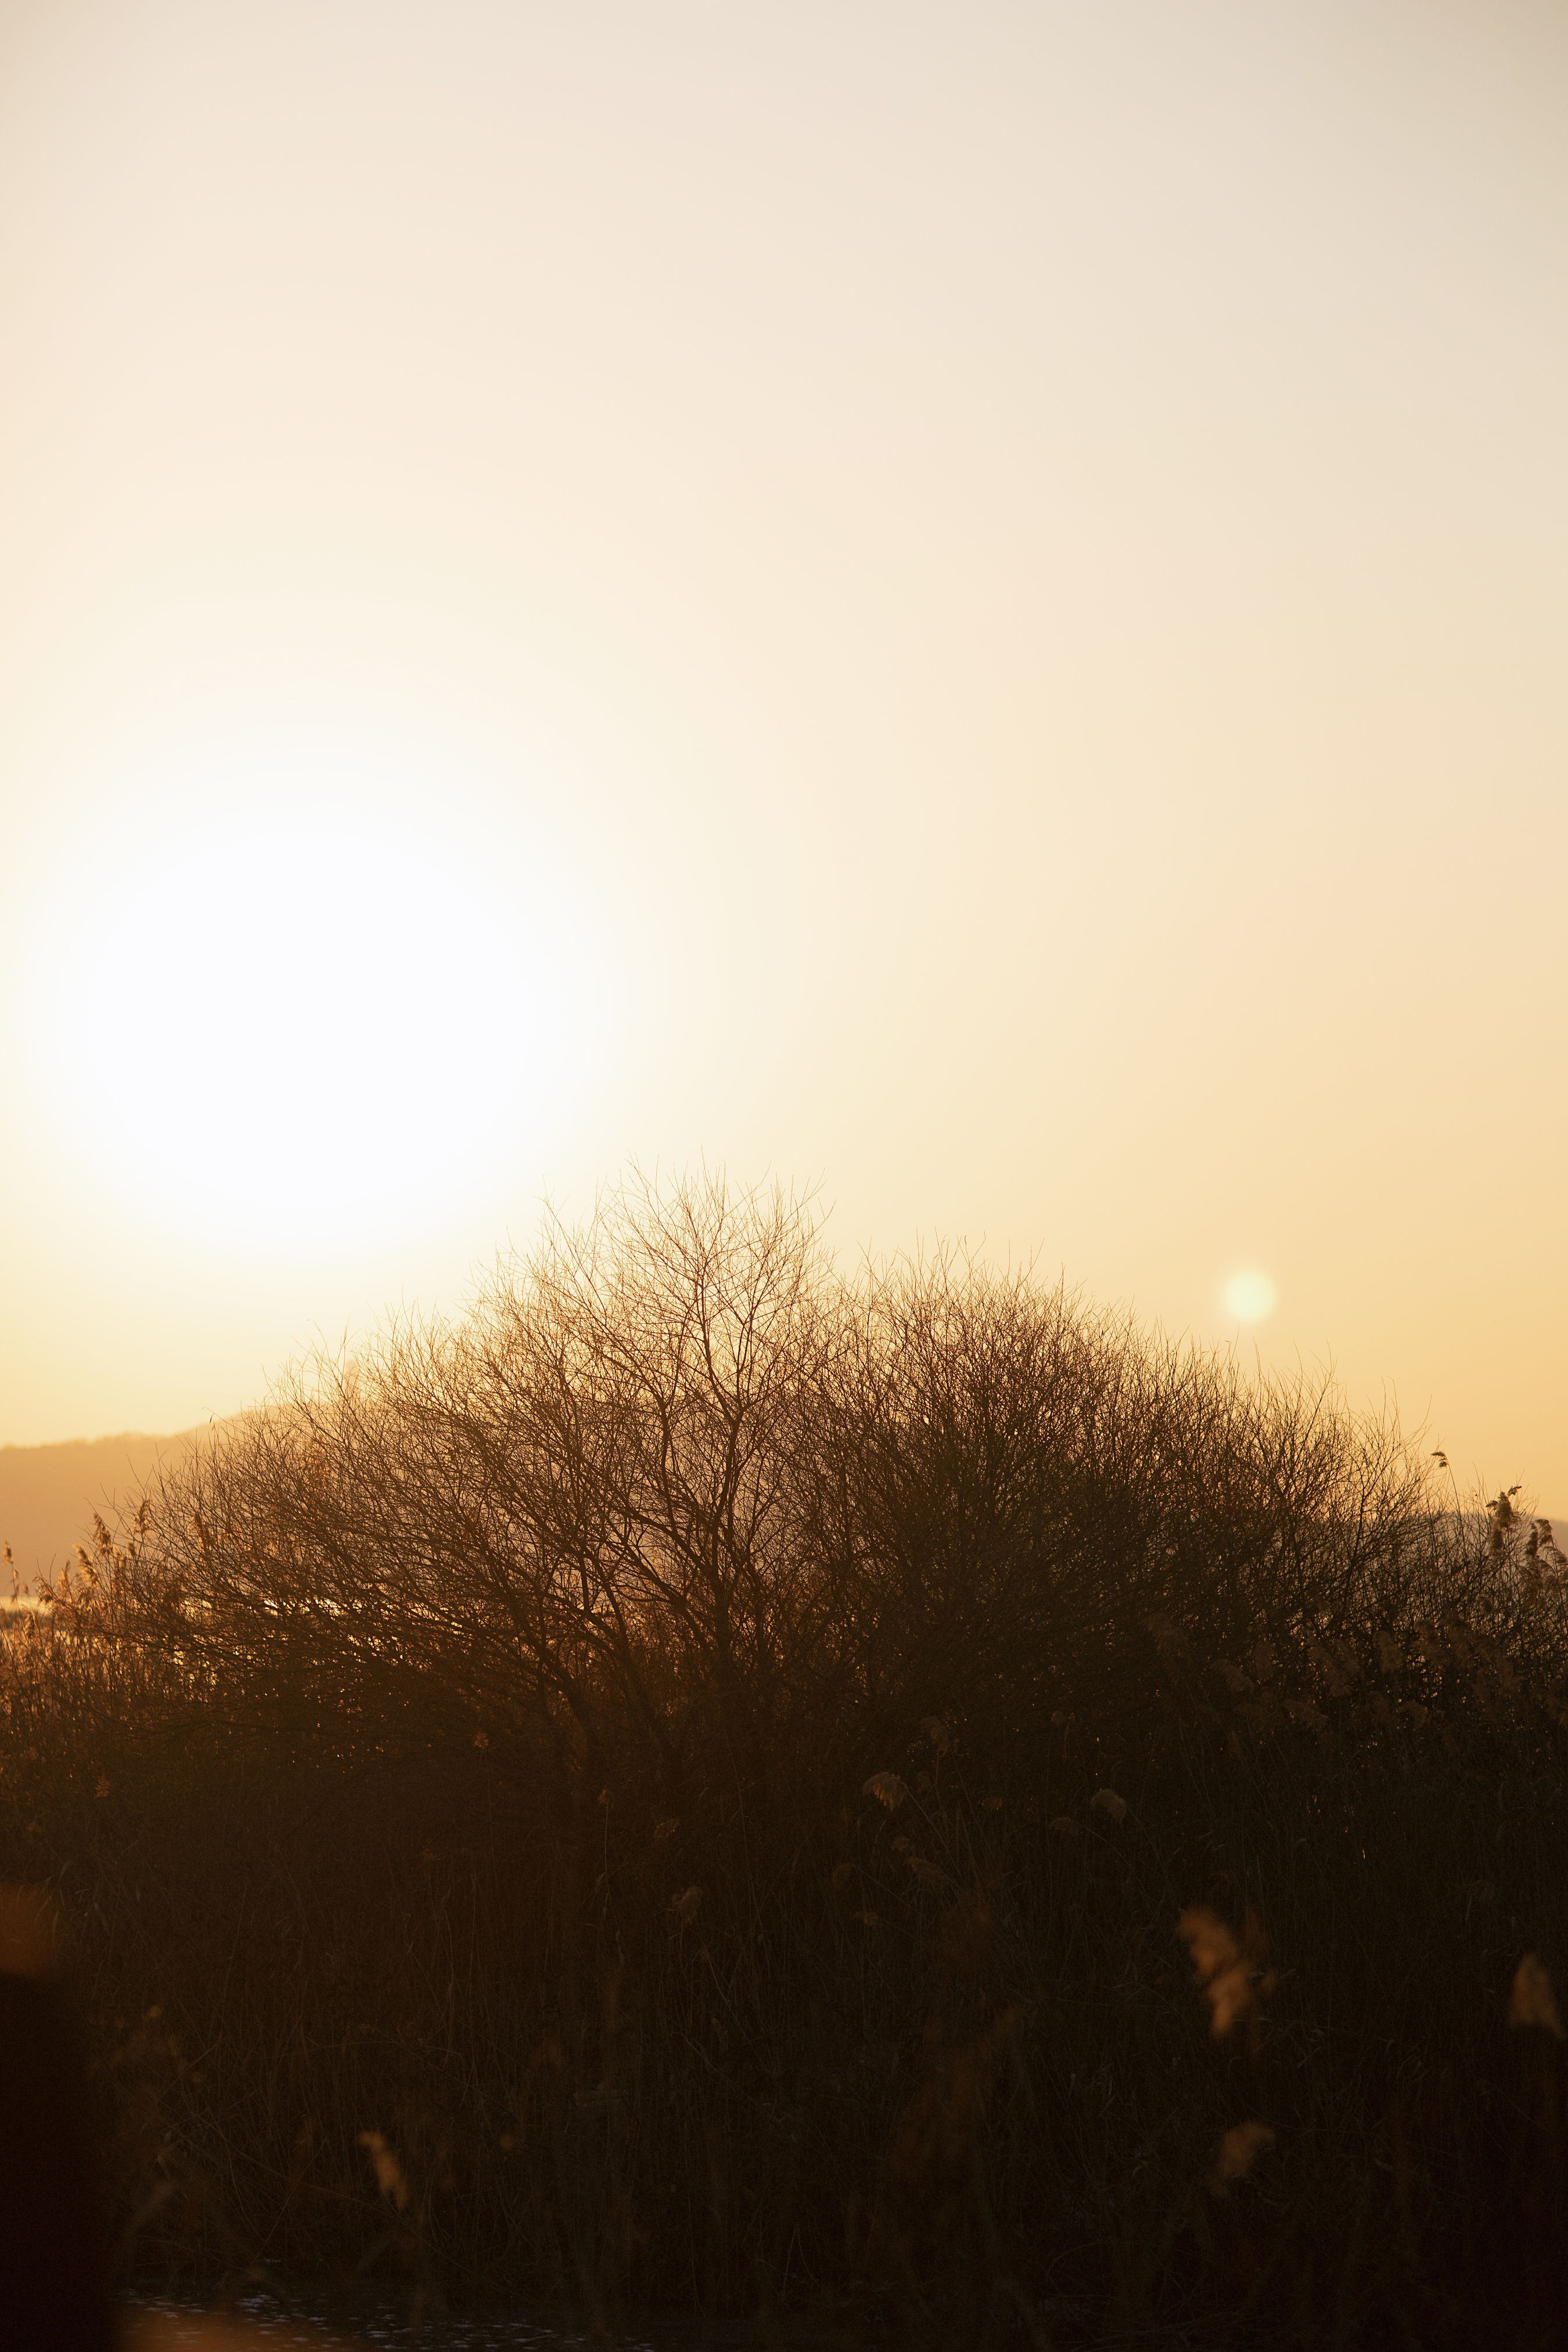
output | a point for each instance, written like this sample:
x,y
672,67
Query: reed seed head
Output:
x,y
1531,2001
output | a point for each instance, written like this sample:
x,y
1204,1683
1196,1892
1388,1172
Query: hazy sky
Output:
x,y
965,601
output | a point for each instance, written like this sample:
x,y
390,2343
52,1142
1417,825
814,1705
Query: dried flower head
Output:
x,y
1531,2001
1229,1974
389,2176
1233,2157
1303,1711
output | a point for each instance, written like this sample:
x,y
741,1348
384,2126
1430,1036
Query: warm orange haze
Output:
x,y
783,807
968,606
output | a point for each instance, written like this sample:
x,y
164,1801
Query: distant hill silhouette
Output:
x,y
50,1493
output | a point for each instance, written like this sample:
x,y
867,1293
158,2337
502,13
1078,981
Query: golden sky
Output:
x,y
966,601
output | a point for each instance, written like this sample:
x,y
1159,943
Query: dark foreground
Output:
x,y
906,1814
326,2319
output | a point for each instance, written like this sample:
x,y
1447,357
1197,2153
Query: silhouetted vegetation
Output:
x,y
904,1802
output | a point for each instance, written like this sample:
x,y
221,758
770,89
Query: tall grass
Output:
x,y
906,1800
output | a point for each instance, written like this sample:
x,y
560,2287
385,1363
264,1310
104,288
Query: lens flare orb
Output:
x,y
1249,1296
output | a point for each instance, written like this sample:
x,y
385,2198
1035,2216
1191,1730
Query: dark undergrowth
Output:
x,y
901,1808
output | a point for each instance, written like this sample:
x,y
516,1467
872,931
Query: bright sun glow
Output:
x,y
1249,1296
302,1029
